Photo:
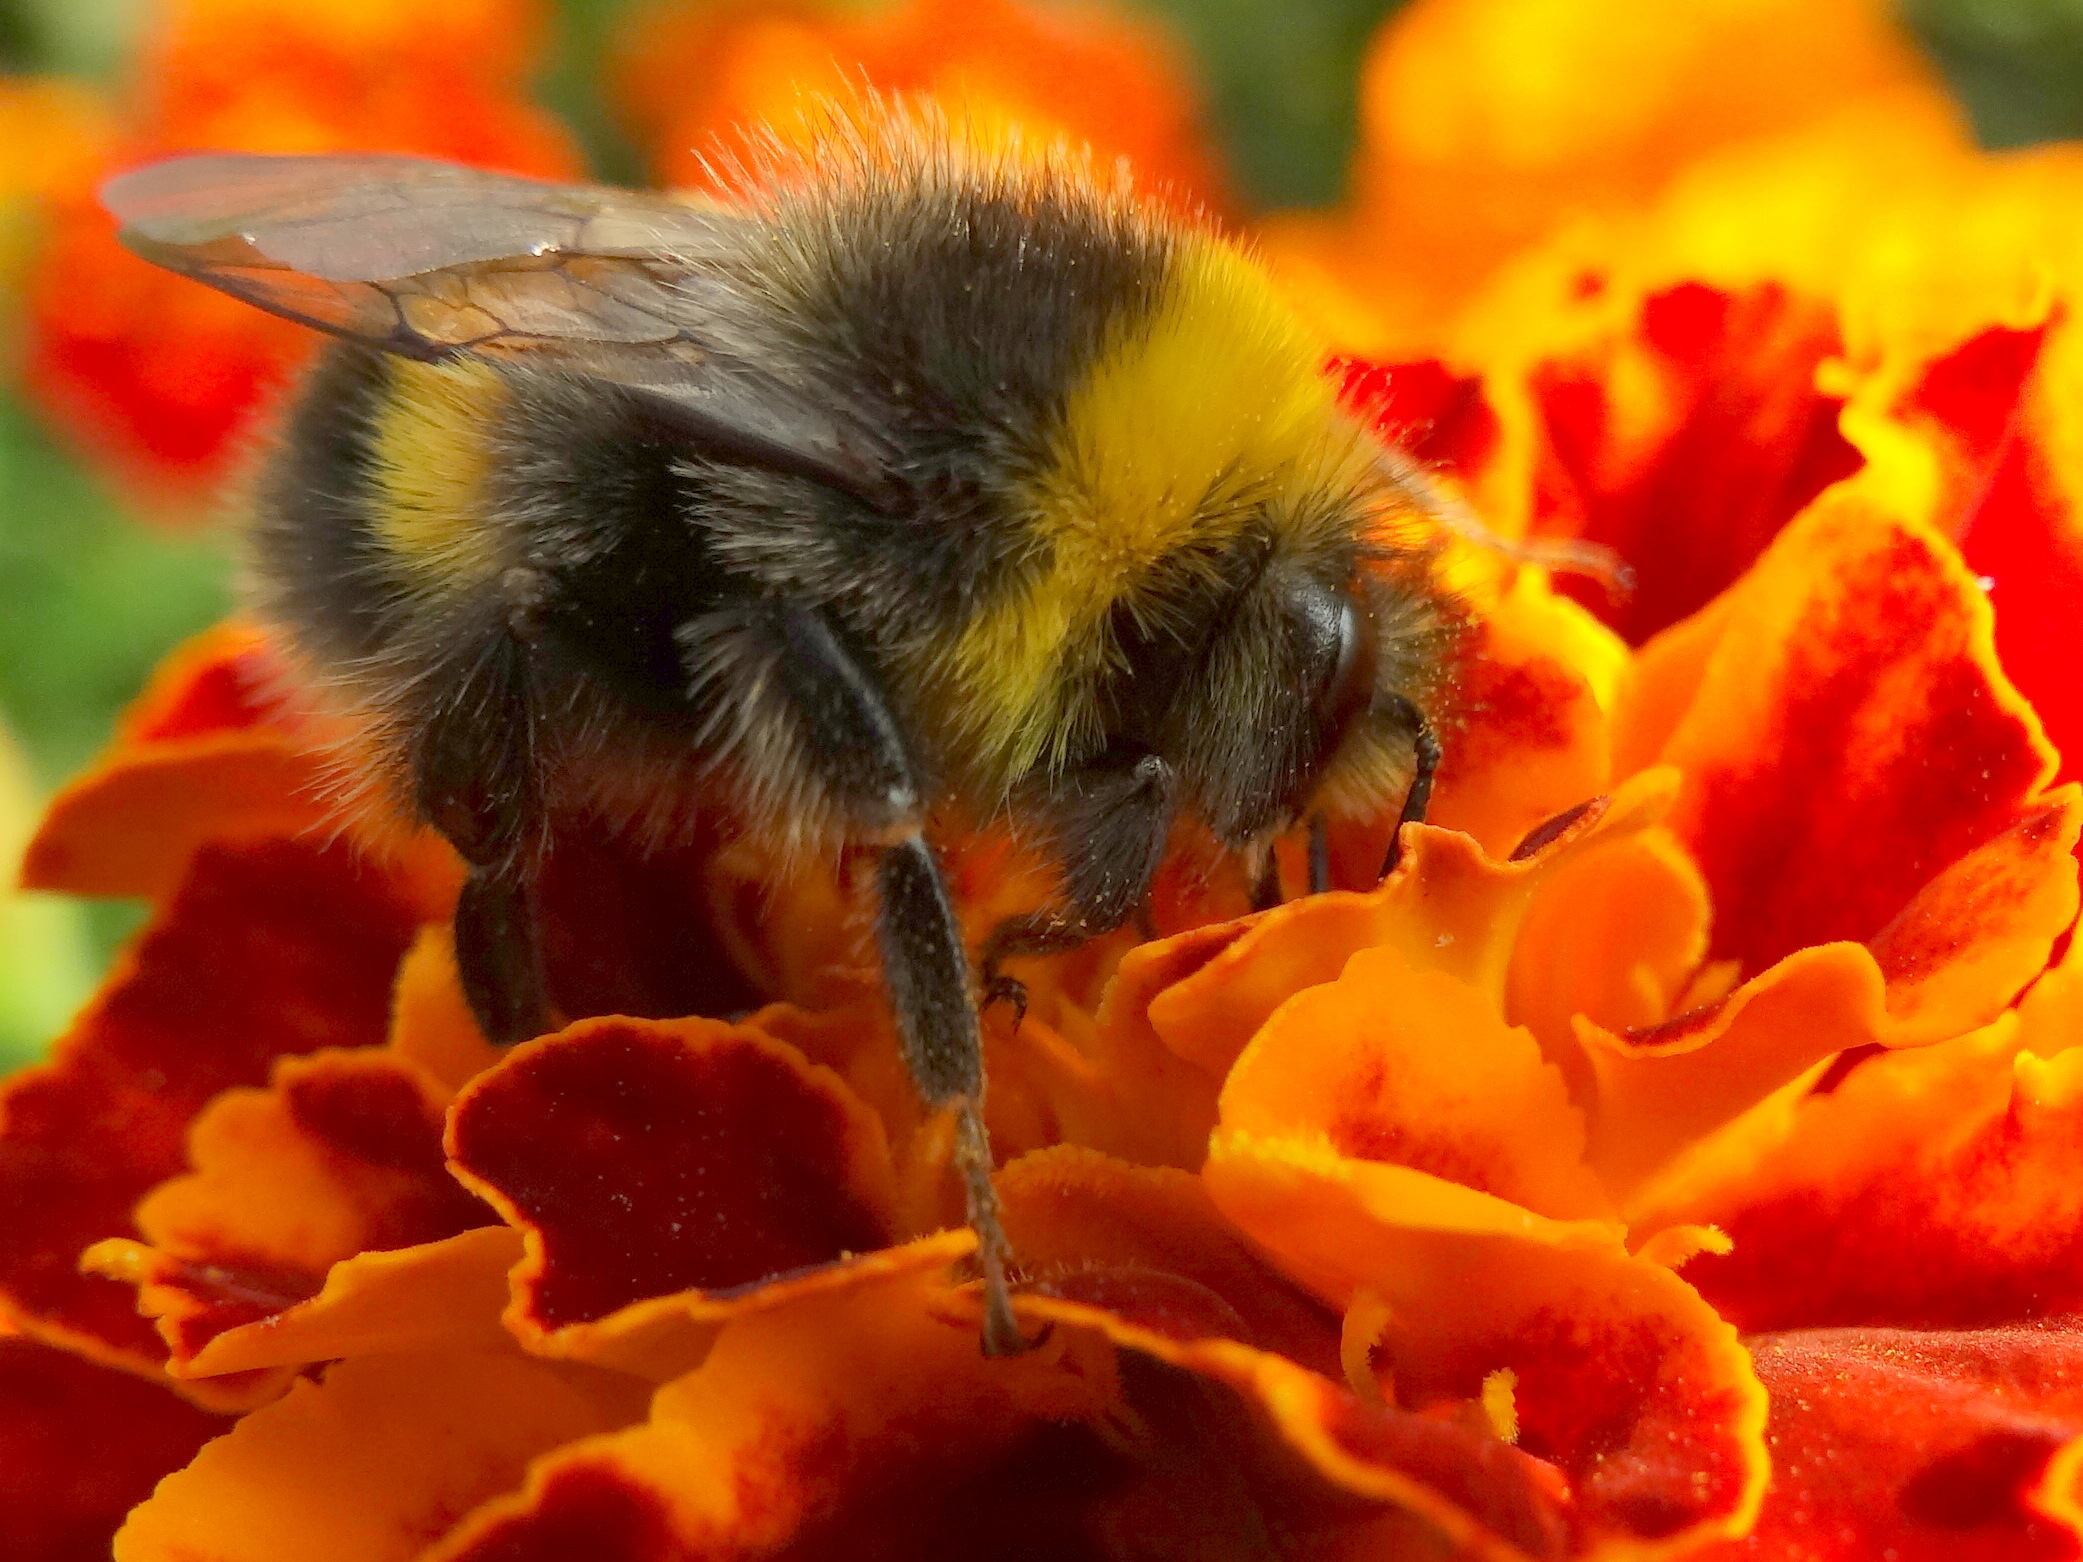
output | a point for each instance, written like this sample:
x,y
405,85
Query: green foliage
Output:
x,y
89,599
2016,64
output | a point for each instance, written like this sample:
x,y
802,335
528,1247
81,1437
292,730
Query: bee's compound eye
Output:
x,y
1335,638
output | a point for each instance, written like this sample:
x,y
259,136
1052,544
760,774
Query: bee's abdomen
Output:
x,y
318,564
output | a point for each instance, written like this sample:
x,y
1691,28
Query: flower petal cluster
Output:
x,y
1672,1157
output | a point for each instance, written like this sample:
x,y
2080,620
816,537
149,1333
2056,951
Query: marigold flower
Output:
x,y
1672,1157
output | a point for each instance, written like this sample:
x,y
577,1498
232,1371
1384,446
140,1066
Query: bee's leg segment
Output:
x,y
861,764
1319,855
928,974
1425,746
1111,822
499,955
1265,888
475,781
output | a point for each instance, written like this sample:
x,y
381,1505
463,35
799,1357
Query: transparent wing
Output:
x,y
430,259
372,217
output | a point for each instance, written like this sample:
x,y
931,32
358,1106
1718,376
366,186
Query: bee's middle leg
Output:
x,y
1110,821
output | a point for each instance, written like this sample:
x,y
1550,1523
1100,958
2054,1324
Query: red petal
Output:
x,y
341,1156
628,930
217,681
1687,447
1850,735
281,948
648,1158
1999,410
1435,417
1920,1447
1933,1187
79,1446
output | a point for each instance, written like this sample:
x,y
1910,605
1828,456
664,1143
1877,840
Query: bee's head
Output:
x,y
1286,688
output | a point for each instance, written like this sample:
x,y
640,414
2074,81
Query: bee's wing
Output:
x,y
431,259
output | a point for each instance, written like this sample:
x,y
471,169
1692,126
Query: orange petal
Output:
x,y
661,1338
213,751
1616,936
432,1028
1981,930
1947,1447
1663,1086
1448,908
1335,1222
1931,1187
79,1446
201,754
798,1426
132,829
375,1459
1112,1083
1438,1480
443,1295
340,1156
1626,1379
1529,736
1416,1069
276,949
1850,737
643,1159
1146,1245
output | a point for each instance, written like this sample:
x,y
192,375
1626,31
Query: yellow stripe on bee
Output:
x,y
1207,414
431,454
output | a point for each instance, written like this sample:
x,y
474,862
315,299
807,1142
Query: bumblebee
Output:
x,y
907,478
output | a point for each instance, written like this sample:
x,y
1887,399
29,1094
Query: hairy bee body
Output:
x,y
914,477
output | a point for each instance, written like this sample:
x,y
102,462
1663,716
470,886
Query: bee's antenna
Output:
x,y
1563,555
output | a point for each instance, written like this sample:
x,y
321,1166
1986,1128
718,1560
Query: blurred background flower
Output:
x,y
126,396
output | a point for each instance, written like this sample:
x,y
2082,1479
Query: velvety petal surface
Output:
x,y
1915,1445
79,1446
374,1461
692,1156
1822,791
275,949
1929,1188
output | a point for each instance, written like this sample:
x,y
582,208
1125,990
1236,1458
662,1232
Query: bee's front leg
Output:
x,y
1109,821
820,716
